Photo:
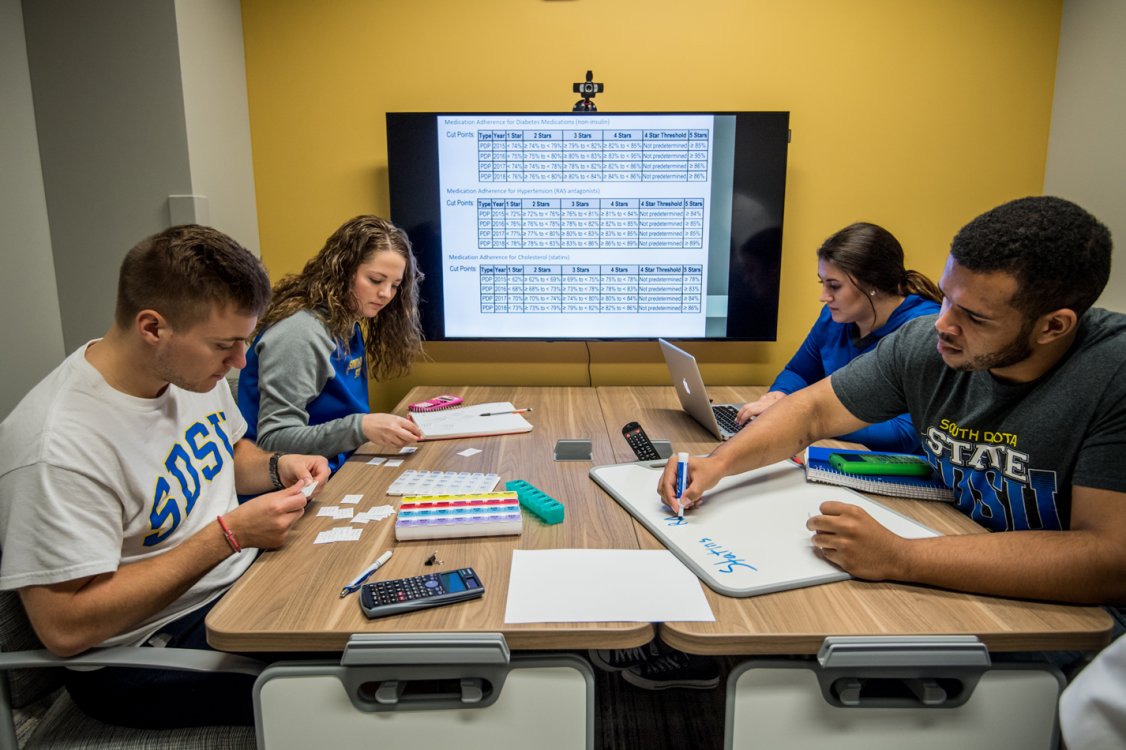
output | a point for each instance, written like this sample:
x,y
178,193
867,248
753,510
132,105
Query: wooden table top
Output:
x,y
797,621
288,600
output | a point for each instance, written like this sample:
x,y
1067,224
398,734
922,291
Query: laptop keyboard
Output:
x,y
725,415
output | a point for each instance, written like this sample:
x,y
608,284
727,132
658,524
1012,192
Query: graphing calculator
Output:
x,y
883,464
642,446
383,598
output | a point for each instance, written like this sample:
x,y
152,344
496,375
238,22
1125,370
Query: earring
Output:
x,y
872,293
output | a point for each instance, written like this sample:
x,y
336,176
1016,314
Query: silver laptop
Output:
x,y
718,419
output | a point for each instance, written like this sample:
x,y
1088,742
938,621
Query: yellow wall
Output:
x,y
917,115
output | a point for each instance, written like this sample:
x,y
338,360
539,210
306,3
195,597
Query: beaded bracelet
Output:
x,y
230,535
274,477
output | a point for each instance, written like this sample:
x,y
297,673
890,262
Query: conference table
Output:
x,y
289,598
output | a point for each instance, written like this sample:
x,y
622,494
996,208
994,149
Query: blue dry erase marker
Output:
x,y
359,580
681,480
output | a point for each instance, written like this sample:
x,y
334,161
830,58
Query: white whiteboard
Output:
x,y
748,537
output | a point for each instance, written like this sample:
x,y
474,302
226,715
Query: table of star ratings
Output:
x,y
648,155
576,288
586,223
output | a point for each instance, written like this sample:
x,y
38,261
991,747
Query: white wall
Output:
x,y
1087,147
213,71
31,336
135,101
110,117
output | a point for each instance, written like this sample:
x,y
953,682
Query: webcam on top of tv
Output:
x,y
587,89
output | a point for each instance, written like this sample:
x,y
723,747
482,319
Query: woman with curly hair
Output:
x,y
353,310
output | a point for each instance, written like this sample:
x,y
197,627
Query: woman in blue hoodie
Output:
x,y
867,294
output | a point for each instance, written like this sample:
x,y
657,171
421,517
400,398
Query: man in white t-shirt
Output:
x,y
119,521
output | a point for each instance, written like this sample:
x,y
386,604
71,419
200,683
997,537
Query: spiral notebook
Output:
x,y
818,469
476,420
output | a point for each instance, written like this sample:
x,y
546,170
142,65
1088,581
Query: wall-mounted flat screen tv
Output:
x,y
593,226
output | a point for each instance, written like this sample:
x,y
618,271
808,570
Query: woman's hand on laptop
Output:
x,y
752,409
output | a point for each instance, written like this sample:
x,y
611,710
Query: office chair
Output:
x,y
462,691
30,677
873,693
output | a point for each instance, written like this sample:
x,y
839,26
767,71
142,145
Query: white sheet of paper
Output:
x,y
393,462
603,585
351,499
469,452
376,461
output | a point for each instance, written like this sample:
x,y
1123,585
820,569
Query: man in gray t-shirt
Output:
x,y
1010,451
1018,392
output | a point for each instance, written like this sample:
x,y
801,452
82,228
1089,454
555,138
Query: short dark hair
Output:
x,y
184,271
1058,253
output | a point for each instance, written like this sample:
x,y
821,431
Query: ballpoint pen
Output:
x,y
681,481
498,413
359,580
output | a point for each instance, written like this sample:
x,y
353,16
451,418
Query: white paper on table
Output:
x,y
338,534
603,585
375,513
469,452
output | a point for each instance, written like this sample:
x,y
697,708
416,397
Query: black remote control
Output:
x,y
639,441
384,598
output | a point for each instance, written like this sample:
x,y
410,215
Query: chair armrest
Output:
x,y
191,660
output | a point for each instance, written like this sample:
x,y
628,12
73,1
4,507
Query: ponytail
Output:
x,y
918,284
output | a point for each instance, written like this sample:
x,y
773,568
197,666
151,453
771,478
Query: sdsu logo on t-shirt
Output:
x,y
191,462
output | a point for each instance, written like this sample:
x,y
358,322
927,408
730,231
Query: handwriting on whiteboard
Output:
x,y
728,561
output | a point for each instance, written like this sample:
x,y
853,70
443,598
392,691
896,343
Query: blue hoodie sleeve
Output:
x,y
806,366
897,435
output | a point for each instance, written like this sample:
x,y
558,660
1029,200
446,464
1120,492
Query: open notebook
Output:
x,y
471,421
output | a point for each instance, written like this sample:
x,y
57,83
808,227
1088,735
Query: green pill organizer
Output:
x,y
547,508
